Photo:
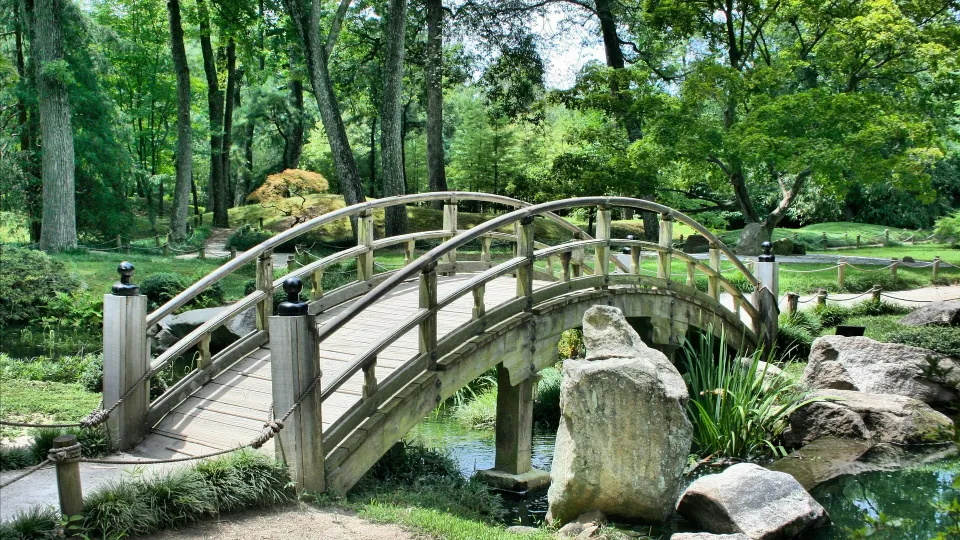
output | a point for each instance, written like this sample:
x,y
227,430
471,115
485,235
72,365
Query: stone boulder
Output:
x,y
873,417
624,436
175,327
770,372
936,313
751,239
783,246
799,249
708,536
865,365
753,501
696,243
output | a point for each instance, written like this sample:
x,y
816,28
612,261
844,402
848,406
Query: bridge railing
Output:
x,y
261,299
425,268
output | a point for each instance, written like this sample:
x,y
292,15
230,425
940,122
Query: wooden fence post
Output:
x,y
821,298
68,476
294,364
841,272
858,241
525,271
365,238
824,239
119,241
936,267
126,358
793,303
261,222
233,253
264,281
886,236
894,263
428,328
664,257
875,293
202,253
450,225
292,263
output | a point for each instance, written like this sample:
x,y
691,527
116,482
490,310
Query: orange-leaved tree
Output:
x,y
287,192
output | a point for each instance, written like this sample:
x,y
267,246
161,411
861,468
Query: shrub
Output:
x,y
858,283
16,458
159,288
947,228
546,408
95,441
29,279
571,344
874,308
736,411
247,237
941,339
40,522
67,369
832,314
793,341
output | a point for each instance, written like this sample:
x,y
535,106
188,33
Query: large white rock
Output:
x,y
751,500
860,363
624,436
945,313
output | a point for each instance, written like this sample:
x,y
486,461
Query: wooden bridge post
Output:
x,y
264,281
713,282
294,365
365,239
604,217
126,358
450,225
428,328
525,271
768,290
664,256
634,258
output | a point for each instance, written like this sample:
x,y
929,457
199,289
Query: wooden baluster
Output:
x,y
479,308
365,238
737,302
485,249
635,260
428,328
265,284
525,271
713,282
204,347
576,257
409,251
450,225
370,377
565,257
604,217
691,274
664,256
316,285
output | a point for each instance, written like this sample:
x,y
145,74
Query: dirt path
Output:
x,y
215,247
289,522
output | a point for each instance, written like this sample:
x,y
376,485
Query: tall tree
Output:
x,y
59,221
436,170
391,129
317,53
230,102
218,182
184,155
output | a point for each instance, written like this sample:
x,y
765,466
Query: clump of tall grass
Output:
x,y
738,410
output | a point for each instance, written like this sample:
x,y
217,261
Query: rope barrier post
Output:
x,y
886,236
858,241
428,328
126,249
841,272
821,298
261,222
365,239
294,365
202,252
823,237
664,256
875,293
264,281
292,263
713,282
796,238
126,359
525,249
768,290
793,303
233,253
450,225
156,240
935,267
894,263
166,249
119,241
602,253
68,475
913,239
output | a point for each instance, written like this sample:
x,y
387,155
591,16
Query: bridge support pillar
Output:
x,y
768,276
126,359
294,366
512,469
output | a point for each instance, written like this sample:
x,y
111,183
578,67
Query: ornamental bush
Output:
x,y
29,282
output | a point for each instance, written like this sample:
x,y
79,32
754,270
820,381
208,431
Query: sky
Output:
x,y
571,47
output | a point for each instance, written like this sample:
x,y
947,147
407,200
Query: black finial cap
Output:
x,y
124,287
767,253
292,306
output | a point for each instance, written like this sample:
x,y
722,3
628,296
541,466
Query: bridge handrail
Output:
x,y
430,259
349,211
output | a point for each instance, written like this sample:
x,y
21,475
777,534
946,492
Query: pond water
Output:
x,y
908,500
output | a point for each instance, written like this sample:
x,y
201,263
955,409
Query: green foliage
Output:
x,y
161,287
546,407
571,344
95,441
29,283
247,237
24,400
832,314
796,334
37,523
479,412
737,410
941,339
67,369
947,228
16,458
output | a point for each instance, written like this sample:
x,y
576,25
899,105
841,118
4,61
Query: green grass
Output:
x,y
839,233
41,401
440,524
920,252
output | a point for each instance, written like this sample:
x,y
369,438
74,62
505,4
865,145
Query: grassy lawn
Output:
x,y
921,252
41,401
839,233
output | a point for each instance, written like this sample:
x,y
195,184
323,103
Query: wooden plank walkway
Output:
x,y
232,407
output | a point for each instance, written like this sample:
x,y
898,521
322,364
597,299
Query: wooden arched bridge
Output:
x,y
373,357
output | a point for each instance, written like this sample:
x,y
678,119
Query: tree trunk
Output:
x,y
293,144
316,53
26,123
436,171
193,191
217,196
59,229
242,173
230,99
184,154
391,127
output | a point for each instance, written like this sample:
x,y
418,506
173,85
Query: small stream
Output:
x,y
907,499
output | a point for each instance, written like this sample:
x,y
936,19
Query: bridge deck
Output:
x,y
233,406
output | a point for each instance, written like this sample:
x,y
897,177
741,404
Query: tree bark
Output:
x,y
391,128
436,171
230,100
293,143
372,162
217,196
184,154
26,123
316,54
59,217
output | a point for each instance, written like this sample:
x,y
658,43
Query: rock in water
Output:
x,y
860,363
935,313
873,417
754,501
624,435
